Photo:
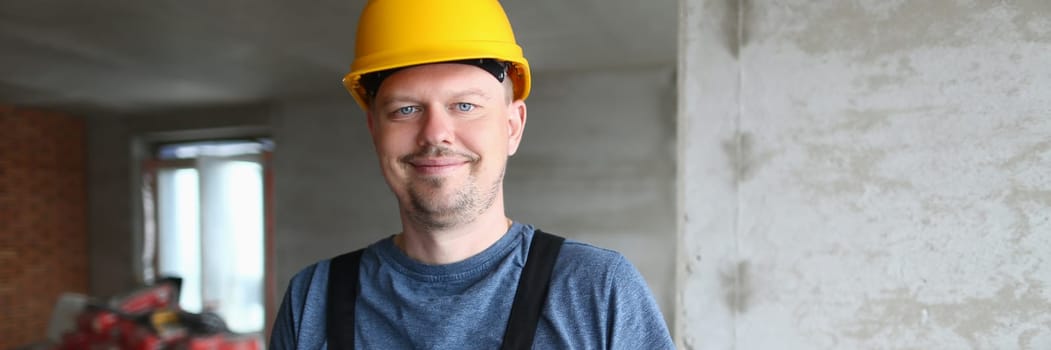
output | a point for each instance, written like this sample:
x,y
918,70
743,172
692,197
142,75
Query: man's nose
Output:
x,y
437,127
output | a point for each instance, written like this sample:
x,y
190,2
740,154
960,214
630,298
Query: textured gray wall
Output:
x,y
110,243
330,197
596,164
865,175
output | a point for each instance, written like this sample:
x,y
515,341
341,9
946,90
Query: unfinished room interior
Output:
x,y
784,174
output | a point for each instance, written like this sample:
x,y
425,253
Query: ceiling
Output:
x,y
128,55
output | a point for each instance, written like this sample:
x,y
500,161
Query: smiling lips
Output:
x,y
436,160
436,166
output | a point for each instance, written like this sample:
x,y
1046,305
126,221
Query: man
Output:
x,y
443,83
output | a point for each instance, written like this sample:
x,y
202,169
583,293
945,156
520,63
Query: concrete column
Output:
x,y
709,92
865,174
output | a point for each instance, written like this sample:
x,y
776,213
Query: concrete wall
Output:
x,y
330,195
597,165
865,175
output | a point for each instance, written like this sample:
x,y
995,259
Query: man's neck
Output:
x,y
446,246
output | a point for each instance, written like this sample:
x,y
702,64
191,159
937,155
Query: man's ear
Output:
x,y
516,120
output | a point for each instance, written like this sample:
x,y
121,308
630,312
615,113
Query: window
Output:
x,y
206,212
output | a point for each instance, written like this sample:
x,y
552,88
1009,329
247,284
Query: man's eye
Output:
x,y
407,110
464,107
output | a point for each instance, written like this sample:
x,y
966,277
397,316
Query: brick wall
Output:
x,y
43,227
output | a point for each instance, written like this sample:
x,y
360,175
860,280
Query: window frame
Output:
x,y
146,229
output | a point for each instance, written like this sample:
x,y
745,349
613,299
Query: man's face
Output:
x,y
443,133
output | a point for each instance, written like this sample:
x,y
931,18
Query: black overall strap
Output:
x,y
343,287
532,291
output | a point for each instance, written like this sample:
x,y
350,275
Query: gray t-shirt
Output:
x,y
597,300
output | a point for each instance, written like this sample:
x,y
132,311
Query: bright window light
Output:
x,y
210,229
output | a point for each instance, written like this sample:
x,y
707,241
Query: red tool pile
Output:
x,y
150,319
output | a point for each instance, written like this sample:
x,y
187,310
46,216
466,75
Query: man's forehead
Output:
x,y
445,70
439,79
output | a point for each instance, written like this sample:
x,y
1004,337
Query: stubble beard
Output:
x,y
433,211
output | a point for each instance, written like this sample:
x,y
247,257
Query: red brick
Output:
x,y
43,230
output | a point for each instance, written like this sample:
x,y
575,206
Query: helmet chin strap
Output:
x,y
372,81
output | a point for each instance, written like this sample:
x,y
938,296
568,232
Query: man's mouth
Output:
x,y
437,160
436,166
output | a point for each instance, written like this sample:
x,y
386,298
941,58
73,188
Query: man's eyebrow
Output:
x,y
472,92
388,100
392,99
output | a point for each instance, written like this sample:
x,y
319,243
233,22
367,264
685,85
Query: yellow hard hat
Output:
x,y
401,33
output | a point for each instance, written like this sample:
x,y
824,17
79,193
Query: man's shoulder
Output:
x,y
580,262
605,299
580,253
309,277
